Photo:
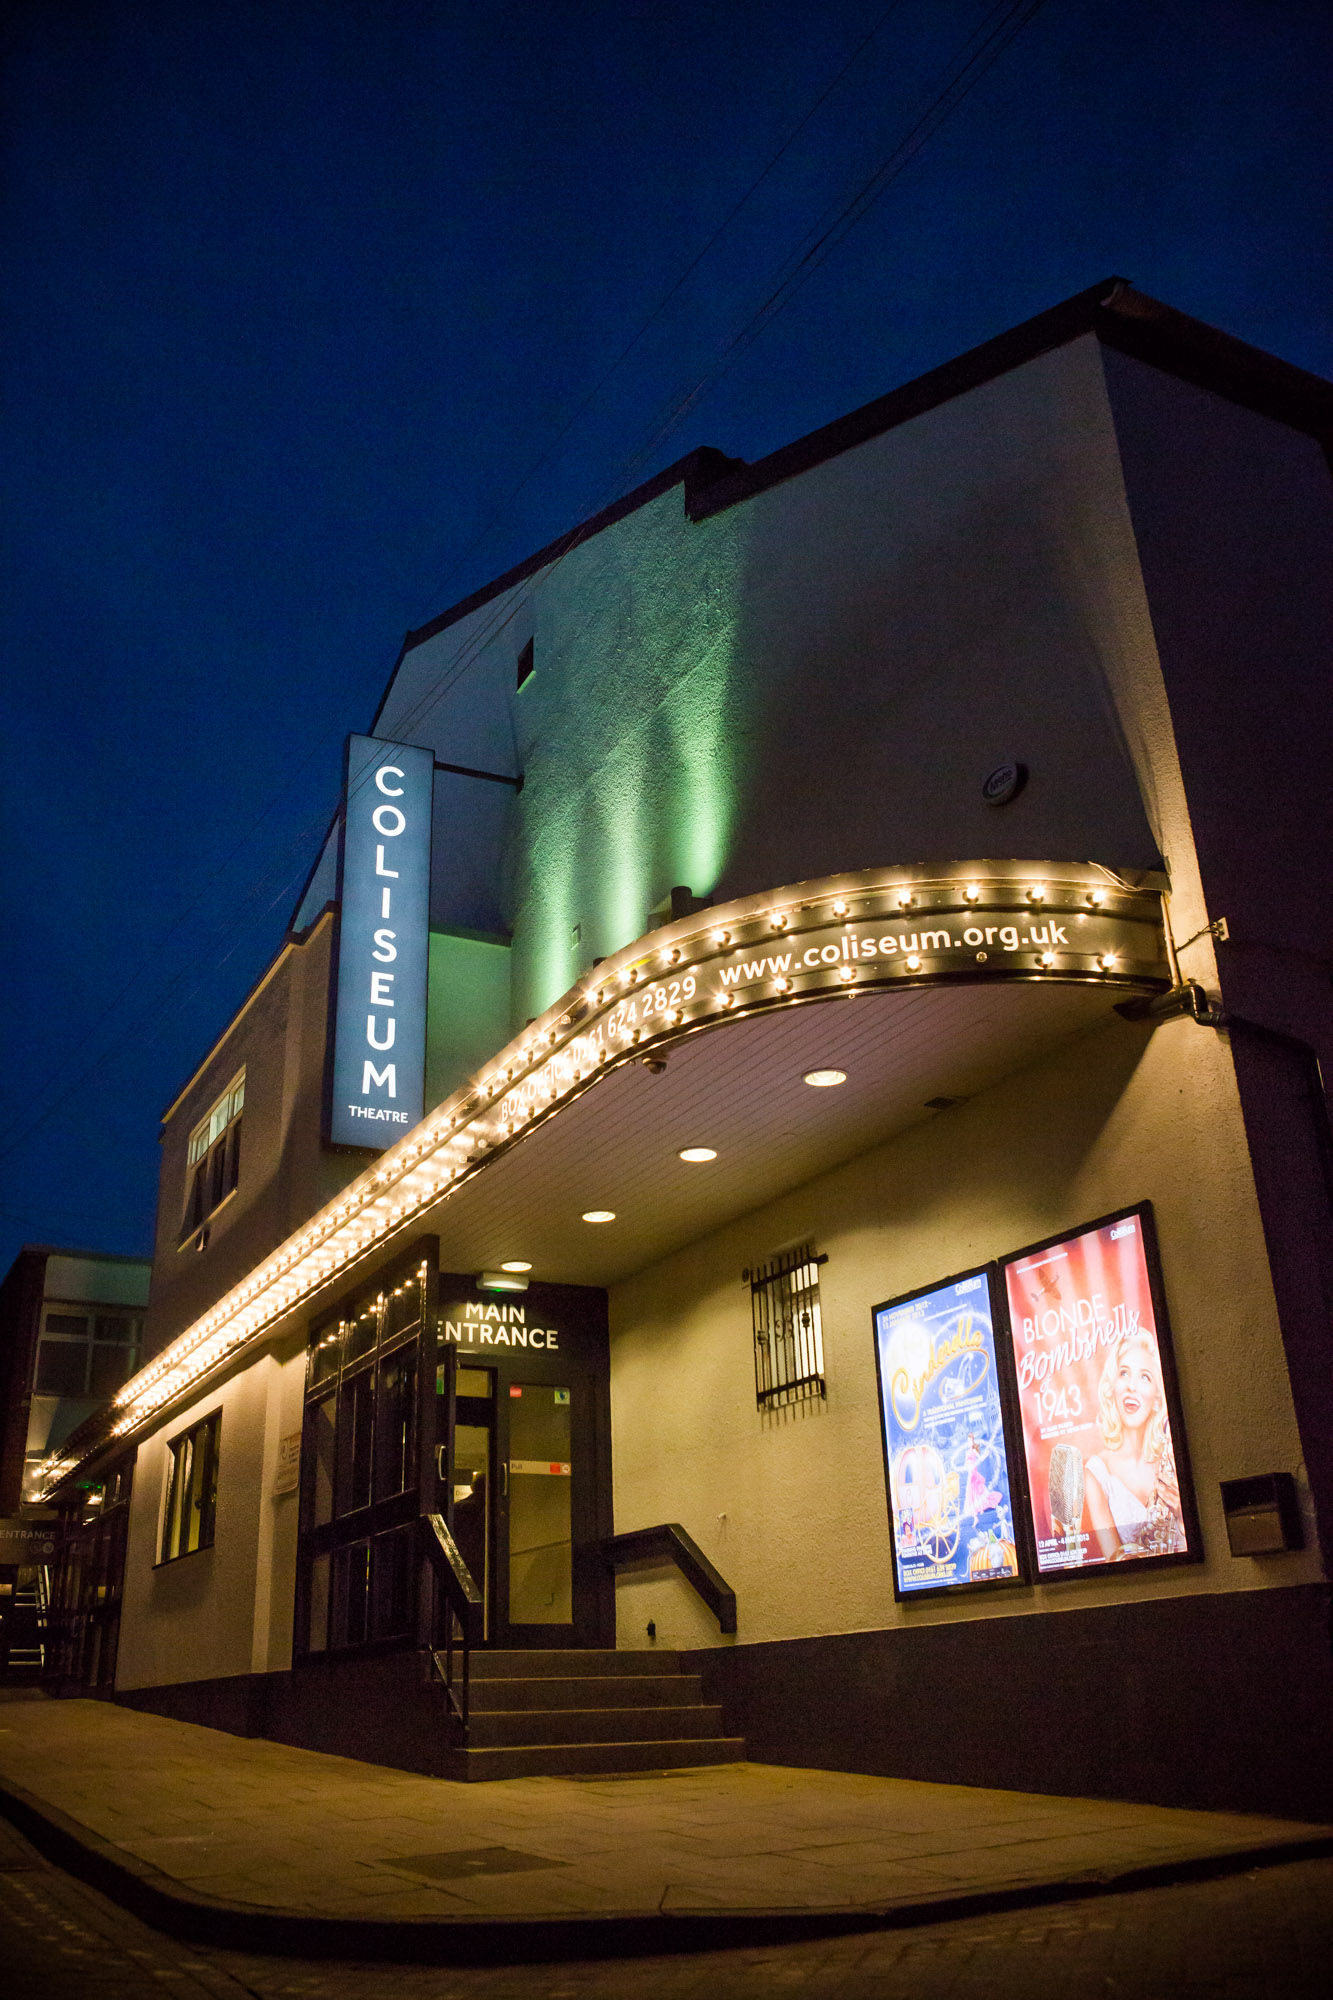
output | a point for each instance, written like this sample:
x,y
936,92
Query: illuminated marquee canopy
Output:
x,y
876,931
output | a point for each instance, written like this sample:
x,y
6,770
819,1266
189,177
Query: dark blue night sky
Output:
x,y
295,296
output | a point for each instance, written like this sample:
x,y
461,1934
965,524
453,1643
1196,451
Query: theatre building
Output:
x,y
775,1198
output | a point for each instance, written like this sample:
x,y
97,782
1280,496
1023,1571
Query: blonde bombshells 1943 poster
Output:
x,y
1087,1354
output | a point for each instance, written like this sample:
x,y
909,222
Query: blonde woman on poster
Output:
x,y
1132,1495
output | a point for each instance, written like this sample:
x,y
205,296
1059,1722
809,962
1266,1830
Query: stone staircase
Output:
x,y
586,1712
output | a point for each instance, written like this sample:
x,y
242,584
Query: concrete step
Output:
x,y
567,1662
575,1760
587,1691
518,1728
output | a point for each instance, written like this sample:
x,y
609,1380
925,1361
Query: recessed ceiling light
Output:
x,y
599,1215
693,1153
516,1264
824,1079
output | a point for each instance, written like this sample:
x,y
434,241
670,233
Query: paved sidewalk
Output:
x,y
238,1829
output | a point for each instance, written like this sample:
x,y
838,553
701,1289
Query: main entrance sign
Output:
x,y
377,1079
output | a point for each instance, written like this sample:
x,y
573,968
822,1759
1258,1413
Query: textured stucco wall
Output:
x,y
818,678
792,1508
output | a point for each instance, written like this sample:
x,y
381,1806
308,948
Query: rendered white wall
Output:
x,y
820,677
791,1508
227,1609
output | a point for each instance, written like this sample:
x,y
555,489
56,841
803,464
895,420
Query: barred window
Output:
x,y
788,1334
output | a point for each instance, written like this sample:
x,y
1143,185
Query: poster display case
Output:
x,y
1103,1442
946,1432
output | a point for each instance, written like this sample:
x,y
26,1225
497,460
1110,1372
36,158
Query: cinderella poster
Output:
x,y
950,1498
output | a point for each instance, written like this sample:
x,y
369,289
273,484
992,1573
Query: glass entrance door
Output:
x,y
523,1425
474,1478
537,1491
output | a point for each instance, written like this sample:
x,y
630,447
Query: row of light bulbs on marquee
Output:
x,y
550,1062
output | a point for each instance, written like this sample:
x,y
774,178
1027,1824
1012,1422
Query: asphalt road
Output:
x,y
1264,1935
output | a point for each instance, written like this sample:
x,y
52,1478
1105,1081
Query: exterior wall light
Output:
x,y
726,1001
780,920
971,893
721,937
698,1154
1048,958
905,899
599,1215
1108,961
847,974
913,962
840,908
516,1264
783,984
1096,897
1037,893
824,1079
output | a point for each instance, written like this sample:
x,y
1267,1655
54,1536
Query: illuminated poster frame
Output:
x,y
1094,1356
940,1490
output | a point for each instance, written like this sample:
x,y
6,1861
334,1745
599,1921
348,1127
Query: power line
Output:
x,y
978,53
672,291
972,60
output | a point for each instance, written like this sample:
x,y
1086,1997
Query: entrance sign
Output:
x,y
378,1073
1102,1433
951,1510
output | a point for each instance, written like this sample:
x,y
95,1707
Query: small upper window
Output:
x,y
192,1489
214,1157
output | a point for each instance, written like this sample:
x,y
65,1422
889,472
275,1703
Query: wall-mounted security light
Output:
x,y
501,1281
516,1264
1004,783
1262,1515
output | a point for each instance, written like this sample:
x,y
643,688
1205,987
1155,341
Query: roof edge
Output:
x,y
1050,329
702,465
1122,317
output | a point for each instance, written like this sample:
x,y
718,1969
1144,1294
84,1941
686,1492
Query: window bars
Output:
x,y
788,1335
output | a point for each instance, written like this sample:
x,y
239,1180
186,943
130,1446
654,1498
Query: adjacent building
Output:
x,y
778,1191
71,1332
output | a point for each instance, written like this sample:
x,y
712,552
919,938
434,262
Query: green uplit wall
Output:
x,y
467,1009
630,738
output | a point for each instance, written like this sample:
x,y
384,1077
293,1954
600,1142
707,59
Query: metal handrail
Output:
x,y
668,1542
463,1610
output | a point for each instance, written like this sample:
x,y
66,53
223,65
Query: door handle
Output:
x,y
440,1451
504,1483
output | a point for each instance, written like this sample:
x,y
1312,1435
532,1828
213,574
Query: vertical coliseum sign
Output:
x,y
377,1086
